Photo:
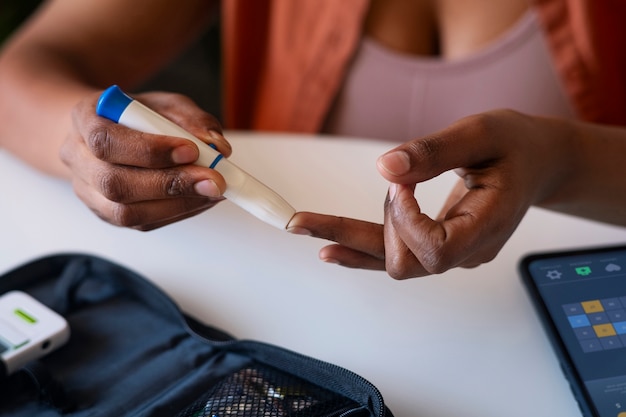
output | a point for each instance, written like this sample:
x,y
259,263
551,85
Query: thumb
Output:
x,y
467,143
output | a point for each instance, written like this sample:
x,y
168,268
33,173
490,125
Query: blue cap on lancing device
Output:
x,y
112,103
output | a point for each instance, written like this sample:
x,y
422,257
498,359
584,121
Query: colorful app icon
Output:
x,y
583,270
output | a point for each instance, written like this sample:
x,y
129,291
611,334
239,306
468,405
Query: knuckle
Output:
x,y
487,257
396,273
491,124
174,184
481,122
427,151
436,260
100,142
401,266
174,97
124,215
143,227
117,214
426,148
112,186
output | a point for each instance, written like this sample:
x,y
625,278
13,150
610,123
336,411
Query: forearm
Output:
x,y
591,175
70,49
38,94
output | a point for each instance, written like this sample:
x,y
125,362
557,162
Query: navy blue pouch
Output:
x,y
133,352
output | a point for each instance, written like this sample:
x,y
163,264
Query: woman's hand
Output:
x,y
506,162
138,180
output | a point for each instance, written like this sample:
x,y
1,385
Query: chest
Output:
x,y
447,28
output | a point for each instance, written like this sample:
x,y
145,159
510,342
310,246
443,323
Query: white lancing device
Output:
x,y
241,188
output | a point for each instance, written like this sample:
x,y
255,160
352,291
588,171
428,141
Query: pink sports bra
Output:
x,y
397,97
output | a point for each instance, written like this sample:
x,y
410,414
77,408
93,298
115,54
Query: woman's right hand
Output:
x,y
138,180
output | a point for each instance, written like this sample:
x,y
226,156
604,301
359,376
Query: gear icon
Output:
x,y
554,274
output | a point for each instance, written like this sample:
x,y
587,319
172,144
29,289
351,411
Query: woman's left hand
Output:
x,y
506,162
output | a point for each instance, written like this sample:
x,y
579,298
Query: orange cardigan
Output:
x,y
284,60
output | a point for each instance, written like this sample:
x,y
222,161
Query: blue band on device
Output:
x,y
112,103
216,160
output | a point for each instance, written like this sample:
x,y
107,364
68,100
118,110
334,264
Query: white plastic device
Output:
x,y
242,188
28,330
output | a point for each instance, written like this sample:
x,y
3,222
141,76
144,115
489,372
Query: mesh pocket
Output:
x,y
259,391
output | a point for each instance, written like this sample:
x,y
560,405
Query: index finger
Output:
x,y
184,112
116,144
358,235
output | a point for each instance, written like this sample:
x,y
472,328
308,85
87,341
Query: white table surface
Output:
x,y
464,343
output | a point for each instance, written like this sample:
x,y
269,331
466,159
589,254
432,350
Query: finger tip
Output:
x,y
208,188
329,260
394,163
217,138
325,256
296,230
295,227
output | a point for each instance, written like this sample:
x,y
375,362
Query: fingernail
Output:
x,y
214,135
184,154
331,261
393,188
207,188
396,163
219,138
297,230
